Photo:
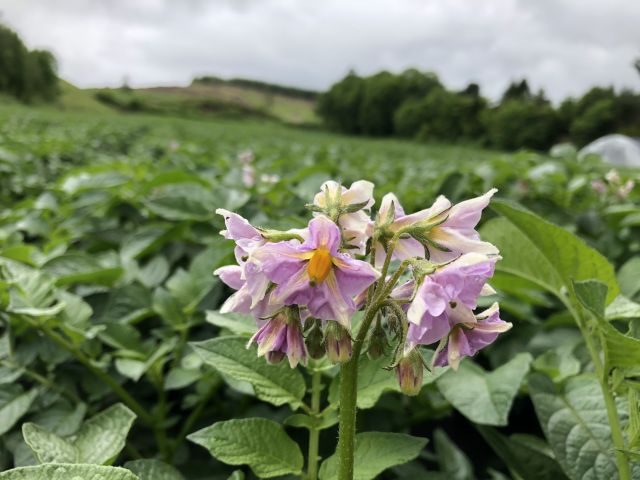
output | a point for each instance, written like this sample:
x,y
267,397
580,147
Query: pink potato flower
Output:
x,y
251,284
315,273
280,336
468,338
450,229
447,298
356,226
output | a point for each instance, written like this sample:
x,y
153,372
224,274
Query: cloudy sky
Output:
x,y
563,46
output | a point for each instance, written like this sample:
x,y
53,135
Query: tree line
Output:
x,y
415,104
26,74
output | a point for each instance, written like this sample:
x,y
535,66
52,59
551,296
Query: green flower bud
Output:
x,y
378,342
274,357
410,371
314,339
337,343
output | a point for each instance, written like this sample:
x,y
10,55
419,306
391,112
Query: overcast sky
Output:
x,y
563,46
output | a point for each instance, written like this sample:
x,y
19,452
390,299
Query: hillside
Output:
x,y
74,98
206,99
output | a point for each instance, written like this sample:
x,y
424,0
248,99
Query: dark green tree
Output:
x,y
24,74
340,106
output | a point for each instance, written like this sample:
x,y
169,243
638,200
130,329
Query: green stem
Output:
x,y
44,381
349,375
103,376
612,414
348,397
192,418
314,433
602,372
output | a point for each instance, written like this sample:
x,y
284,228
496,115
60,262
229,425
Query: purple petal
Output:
x,y
281,261
329,302
323,233
231,275
238,228
465,215
353,276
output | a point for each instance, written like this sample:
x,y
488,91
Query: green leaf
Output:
x,y
152,469
144,240
98,441
179,377
526,456
592,294
237,475
76,268
154,272
622,309
574,420
554,256
103,436
454,464
374,453
48,447
13,406
320,422
260,443
485,397
165,305
236,323
559,363
628,277
622,350
68,472
183,201
276,384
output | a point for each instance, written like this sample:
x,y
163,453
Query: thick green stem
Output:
x,y
347,428
348,397
614,421
314,433
349,374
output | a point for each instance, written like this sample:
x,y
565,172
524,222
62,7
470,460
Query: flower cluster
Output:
x,y
612,184
417,277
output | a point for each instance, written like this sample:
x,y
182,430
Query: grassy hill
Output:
x,y
74,98
212,99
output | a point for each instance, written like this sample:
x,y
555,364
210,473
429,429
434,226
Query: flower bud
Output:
x,y
337,342
280,336
313,340
410,372
274,357
377,342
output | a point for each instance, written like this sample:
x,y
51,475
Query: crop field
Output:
x,y
113,350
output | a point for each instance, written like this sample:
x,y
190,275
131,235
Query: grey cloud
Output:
x,y
563,46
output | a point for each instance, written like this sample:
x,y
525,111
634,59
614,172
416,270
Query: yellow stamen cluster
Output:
x,y
319,266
